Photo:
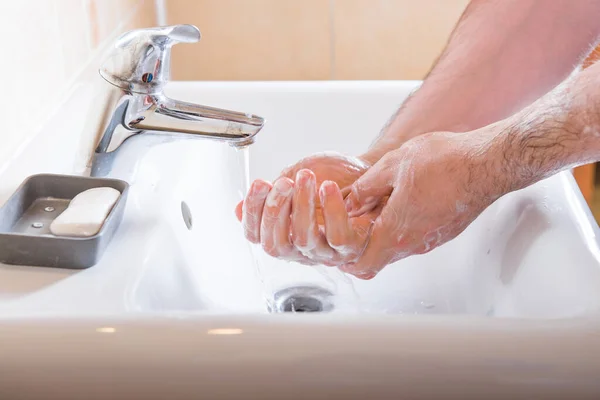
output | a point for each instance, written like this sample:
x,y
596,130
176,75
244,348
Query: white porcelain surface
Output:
x,y
510,305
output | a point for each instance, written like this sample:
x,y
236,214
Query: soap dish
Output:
x,y
25,219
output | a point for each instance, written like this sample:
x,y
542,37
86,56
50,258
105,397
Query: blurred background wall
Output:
x,y
311,39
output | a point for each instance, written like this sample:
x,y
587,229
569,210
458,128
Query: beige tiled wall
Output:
x,y
312,39
390,39
48,45
255,39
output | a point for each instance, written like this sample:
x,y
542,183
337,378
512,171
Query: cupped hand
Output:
x,y
437,185
302,216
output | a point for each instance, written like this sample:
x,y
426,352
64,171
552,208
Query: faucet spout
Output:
x,y
139,66
161,114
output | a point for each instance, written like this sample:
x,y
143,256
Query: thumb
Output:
x,y
368,190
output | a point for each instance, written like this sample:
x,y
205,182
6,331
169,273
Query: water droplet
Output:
x,y
49,209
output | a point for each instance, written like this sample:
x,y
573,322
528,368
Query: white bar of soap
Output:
x,y
86,213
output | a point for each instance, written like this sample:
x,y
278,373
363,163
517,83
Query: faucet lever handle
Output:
x,y
140,61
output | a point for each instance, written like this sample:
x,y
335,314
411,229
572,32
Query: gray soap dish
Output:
x,y
25,219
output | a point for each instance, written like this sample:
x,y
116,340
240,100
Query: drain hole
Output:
x,y
303,299
302,304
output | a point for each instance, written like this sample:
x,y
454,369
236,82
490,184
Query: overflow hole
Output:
x,y
186,213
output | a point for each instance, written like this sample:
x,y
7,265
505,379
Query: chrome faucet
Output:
x,y
139,66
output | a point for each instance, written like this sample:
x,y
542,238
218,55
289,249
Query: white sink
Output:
x,y
511,304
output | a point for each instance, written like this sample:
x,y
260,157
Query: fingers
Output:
x,y
306,235
339,231
281,242
275,225
305,230
386,243
290,207
378,252
373,185
252,209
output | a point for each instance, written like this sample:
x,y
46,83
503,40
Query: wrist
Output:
x,y
557,132
479,154
533,145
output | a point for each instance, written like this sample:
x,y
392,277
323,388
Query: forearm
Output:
x,y
559,131
502,55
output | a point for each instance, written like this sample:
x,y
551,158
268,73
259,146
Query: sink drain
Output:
x,y
303,299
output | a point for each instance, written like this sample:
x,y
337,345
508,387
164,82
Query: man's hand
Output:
x,y
430,189
288,218
437,185
426,192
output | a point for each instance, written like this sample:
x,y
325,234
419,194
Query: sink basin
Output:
x,y
510,305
